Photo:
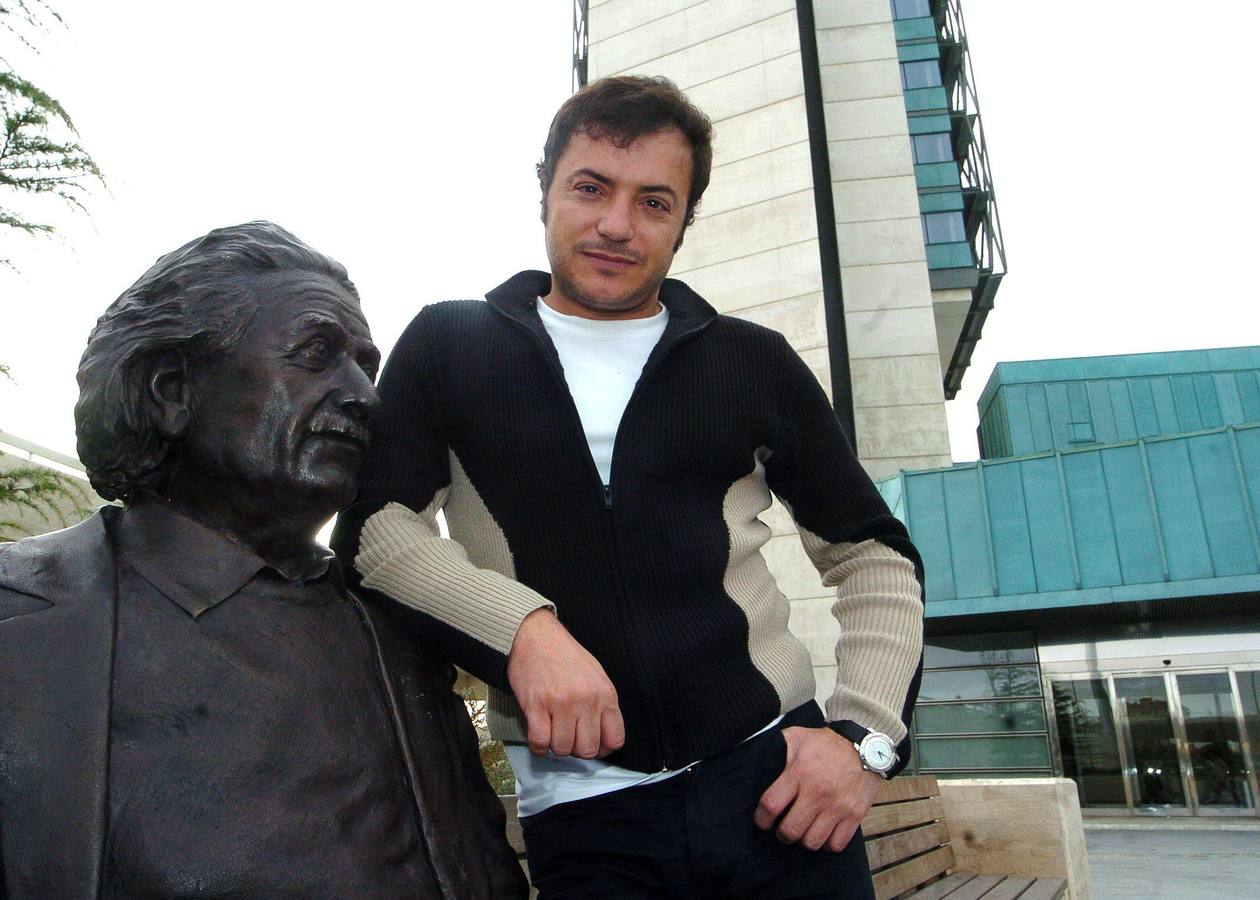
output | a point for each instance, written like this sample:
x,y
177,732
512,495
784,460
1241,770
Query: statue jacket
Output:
x,y
58,601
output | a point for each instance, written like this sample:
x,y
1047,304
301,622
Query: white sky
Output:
x,y
400,139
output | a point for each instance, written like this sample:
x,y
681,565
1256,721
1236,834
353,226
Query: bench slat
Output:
x,y
907,787
943,888
900,878
1009,888
1045,889
975,888
893,848
895,816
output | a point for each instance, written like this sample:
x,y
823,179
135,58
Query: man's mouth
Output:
x,y
605,258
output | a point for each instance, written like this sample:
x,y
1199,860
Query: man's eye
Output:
x,y
654,203
588,188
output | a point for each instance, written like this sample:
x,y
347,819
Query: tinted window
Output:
x,y
930,148
944,228
922,74
910,9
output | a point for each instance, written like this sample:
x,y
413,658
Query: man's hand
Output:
x,y
823,793
570,705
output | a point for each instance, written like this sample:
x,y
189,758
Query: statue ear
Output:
x,y
170,395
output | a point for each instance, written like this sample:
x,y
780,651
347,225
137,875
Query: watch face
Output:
x,y
878,752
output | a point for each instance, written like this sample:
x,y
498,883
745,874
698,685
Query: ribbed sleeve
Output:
x,y
402,554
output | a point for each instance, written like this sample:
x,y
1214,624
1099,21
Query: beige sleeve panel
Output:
x,y
774,650
880,610
403,555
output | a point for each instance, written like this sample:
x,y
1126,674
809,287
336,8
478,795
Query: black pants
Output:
x,y
689,836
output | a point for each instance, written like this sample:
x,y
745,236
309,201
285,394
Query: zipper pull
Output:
x,y
608,496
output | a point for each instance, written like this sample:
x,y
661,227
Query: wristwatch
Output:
x,y
877,751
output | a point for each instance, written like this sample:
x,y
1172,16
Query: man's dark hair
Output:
x,y
195,302
624,108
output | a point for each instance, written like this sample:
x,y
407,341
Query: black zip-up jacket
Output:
x,y
660,575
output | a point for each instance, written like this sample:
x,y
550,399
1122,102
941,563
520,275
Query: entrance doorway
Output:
x,y
1160,743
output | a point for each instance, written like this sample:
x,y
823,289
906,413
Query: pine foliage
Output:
x,y
56,499
40,155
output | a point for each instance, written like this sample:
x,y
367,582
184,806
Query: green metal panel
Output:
x,y
936,175
914,29
1060,404
928,124
925,98
1164,518
940,201
917,52
949,256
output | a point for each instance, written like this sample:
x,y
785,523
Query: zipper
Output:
x,y
621,594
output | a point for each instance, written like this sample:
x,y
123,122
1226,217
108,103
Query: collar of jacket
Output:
x,y
517,299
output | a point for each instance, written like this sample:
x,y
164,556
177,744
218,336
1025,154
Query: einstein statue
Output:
x,y
192,704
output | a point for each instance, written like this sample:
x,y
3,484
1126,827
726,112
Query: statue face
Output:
x,y
279,420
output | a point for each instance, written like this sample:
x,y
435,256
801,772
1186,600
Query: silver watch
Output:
x,y
878,753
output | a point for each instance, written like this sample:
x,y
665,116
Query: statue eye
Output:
x,y
318,350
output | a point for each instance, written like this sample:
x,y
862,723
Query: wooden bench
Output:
x,y
908,846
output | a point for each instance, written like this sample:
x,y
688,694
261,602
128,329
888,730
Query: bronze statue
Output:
x,y
191,702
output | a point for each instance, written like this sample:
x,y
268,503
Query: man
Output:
x,y
602,443
191,703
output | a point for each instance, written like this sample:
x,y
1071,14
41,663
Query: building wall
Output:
x,y
753,251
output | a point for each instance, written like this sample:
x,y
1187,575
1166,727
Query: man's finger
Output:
x,y
586,739
538,730
820,831
841,835
774,801
612,734
563,731
798,819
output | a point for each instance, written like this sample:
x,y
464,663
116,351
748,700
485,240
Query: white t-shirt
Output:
x,y
602,360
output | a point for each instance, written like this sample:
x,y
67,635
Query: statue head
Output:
x,y
234,378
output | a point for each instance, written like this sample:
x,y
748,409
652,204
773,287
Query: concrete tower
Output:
x,y
850,208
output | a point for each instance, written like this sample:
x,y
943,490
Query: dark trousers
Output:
x,y
689,836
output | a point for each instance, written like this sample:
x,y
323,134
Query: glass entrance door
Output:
x,y
1161,743
1154,767
1214,743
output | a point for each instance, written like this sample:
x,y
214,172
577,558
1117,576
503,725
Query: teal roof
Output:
x,y
1141,520
1031,407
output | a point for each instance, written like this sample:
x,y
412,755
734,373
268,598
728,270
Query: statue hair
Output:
x,y
196,302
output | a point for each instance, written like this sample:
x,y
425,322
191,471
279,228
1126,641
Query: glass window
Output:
x,y
930,148
979,684
923,73
978,650
1017,752
911,9
1249,694
1087,741
944,228
1216,753
980,718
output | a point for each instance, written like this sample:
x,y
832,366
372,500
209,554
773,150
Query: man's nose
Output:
x,y
617,224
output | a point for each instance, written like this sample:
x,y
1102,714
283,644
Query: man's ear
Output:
x,y
170,394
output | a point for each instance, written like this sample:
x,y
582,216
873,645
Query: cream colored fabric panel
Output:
x,y
880,610
774,650
402,554
473,526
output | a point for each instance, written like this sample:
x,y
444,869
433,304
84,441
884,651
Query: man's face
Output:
x,y
279,419
613,218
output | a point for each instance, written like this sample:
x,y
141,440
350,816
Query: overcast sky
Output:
x,y
400,139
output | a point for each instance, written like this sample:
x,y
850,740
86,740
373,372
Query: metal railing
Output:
x,y
580,42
